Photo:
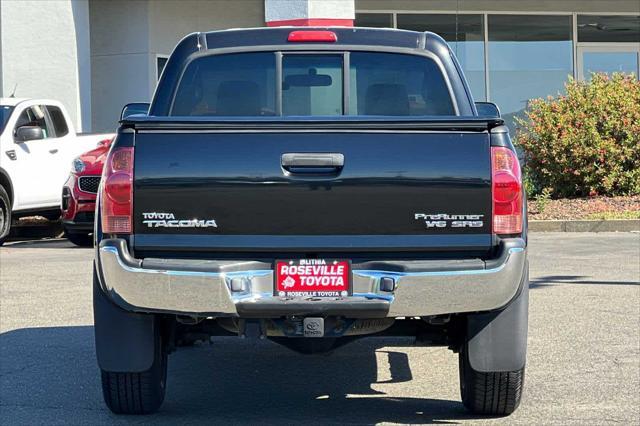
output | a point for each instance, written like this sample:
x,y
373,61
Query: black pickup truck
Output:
x,y
311,187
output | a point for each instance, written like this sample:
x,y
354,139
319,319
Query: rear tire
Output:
x,y
79,238
490,393
5,215
137,393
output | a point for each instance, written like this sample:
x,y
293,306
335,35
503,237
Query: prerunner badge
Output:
x,y
312,278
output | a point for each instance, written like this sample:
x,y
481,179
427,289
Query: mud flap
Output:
x,y
497,341
125,341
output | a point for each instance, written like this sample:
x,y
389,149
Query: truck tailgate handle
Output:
x,y
316,161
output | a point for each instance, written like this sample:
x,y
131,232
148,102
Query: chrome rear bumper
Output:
x,y
204,288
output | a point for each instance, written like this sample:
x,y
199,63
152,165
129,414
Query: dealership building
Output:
x,y
97,55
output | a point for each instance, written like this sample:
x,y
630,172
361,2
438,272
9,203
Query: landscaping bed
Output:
x,y
591,208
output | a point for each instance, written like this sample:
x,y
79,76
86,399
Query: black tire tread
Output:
x,y
130,393
492,393
7,203
136,393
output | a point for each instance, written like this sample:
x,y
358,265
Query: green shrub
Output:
x,y
586,142
529,186
542,200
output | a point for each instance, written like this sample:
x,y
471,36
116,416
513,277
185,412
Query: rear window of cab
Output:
x,y
313,84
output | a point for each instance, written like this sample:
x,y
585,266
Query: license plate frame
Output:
x,y
319,292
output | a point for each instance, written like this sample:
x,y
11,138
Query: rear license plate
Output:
x,y
313,278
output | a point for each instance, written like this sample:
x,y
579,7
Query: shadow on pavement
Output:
x,y
60,243
552,280
23,230
50,374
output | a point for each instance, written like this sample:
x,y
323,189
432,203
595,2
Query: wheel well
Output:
x,y
5,182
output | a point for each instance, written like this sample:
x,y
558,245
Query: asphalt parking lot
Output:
x,y
583,358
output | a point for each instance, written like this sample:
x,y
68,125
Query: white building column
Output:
x,y
309,12
122,65
45,53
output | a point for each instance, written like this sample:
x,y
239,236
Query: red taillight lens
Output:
x,y
312,36
507,191
117,192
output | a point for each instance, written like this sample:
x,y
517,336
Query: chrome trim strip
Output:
x,y
136,288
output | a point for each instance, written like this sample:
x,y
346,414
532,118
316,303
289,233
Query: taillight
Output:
x,y
506,191
117,192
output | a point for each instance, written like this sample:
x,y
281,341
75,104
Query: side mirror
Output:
x,y
488,109
29,133
134,108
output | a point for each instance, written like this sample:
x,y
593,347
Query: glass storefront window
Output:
x,y
530,56
608,29
376,20
465,35
609,62
608,44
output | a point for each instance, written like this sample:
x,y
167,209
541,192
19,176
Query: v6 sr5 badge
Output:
x,y
445,220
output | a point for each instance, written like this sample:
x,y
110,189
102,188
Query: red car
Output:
x,y
79,194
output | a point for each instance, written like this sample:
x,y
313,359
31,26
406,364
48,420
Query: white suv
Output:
x,y
37,146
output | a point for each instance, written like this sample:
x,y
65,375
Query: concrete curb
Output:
x,y
622,225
